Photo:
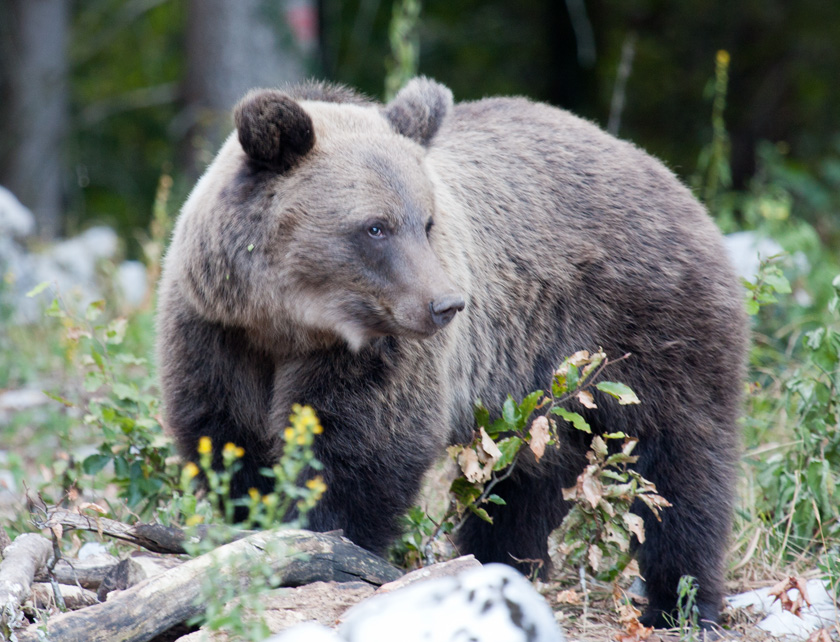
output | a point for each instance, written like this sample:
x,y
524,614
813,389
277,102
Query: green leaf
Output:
x,y
574,418
54,310
778,282
814,338
115,333
572,377
59,399
509,447
127,391
38,289
94,310
509,413
621,392
482,415
483,514
528,405
496,500
752,306
94,380
464,491
94,463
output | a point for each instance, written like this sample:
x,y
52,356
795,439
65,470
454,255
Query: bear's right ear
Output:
x,y
418,109
273,129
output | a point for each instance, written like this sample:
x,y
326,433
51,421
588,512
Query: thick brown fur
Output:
x,y
279,288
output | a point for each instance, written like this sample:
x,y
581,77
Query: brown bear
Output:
x,y
391,264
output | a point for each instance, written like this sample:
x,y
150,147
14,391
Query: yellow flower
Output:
x,y
254,494
289,434
234,451
190,470
205,446
723,58
317,429
317,484
192,520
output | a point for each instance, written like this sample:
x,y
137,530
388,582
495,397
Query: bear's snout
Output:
x,y
445,307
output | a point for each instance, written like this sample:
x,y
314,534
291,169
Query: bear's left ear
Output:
x,y
273,129
418,110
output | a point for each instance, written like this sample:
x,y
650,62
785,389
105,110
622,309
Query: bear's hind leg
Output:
x,y
692,537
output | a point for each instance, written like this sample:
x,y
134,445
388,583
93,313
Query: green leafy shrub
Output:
x,y
597,531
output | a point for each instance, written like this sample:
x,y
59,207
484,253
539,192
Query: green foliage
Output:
x,y
405,46
688,616
417,528
713,171
598,529
119,404
597,532
235,606
769,281
796,495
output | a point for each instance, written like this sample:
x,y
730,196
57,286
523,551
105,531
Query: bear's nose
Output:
x,y
445,307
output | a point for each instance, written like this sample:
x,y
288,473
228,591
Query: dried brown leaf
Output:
x,y
93,507
586,399
595,556
591,486
540,436
489,452
779,591
635,525
470,466
569,596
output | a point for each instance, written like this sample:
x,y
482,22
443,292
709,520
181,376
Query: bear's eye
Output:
x,y
429,225
376,231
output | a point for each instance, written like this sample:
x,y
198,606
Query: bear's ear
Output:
x,y
273,129
419,108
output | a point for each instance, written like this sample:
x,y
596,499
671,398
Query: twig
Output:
x,y
628,51
153,537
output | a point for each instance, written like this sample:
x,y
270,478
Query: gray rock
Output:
x,y
132,282
15,220
492,604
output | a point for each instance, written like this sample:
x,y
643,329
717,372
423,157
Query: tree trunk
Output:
x,y
236,46
36,121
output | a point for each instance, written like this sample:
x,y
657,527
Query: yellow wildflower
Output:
x,y
205,446
723,58
190,470
192,520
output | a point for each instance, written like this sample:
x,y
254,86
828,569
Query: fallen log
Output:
x,y
21,560
153,537
87,573
296,557
75,597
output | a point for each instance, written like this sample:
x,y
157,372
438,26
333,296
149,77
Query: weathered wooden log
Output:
x,y
87,573
153,537
74,596
296,557
21,559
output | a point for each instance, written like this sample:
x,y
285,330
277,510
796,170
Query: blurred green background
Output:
x,y
128,90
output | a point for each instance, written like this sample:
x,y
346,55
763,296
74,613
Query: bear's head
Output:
x,y
317,219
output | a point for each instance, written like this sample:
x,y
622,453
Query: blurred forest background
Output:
x,y
102,97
